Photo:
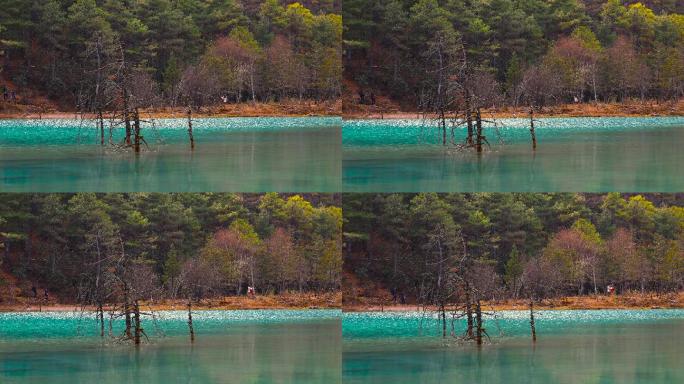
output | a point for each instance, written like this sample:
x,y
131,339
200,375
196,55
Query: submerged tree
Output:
x,y
452,279
540,280
198,279
456,90
140,283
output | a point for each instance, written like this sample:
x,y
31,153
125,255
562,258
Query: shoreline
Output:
x,y
327,301
350,111
635,301
629,109
286,109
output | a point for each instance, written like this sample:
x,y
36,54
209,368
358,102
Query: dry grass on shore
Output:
x,y
286,108
631,108
630,300
327,300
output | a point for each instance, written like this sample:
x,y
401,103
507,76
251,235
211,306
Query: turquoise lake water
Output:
x,y
602,346
231,155
230,347
573,154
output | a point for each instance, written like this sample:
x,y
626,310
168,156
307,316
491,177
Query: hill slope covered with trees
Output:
x,y
514,52
92,54
82,247
421,247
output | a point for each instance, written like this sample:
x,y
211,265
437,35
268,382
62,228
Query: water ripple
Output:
x,y
28,132
365,325
403,132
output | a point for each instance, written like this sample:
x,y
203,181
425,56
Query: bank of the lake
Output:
x,y
607,346
630,108
573,154
287,108
629,300
231,346
290,300
231,154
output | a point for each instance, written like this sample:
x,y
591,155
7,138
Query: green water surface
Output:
x,y
573,154
231,347
231,155
604,346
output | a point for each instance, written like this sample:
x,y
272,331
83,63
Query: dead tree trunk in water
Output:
x,y
479,330
480,138
534,136
469,313
532,326
127,313
192,138
127,118
469,119
100,315
138,328
111,321
138,137
442,314
442,121
100,123
192,329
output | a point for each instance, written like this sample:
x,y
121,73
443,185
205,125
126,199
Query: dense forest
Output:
x,y
94,248
437,248
448,55
98,54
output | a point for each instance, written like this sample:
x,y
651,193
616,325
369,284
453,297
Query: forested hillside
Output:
x,y
505,245
515,52
91,54
84,246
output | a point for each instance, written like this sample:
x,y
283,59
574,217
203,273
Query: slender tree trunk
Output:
x,y
480,137
479,329
251,82
469,119
534,136
138,328
442,121
111,320
192,138
127,313
100,122
100,314
469,313
111,132
532,326
98,291
442,311
127,118
190,327
138,137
